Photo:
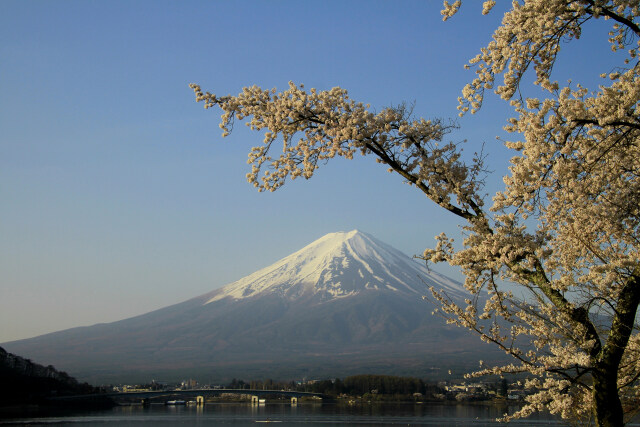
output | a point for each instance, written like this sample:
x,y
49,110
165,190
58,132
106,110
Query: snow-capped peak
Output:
x,y
338,265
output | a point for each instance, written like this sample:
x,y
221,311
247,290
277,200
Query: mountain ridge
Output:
x,y
315,266
346,303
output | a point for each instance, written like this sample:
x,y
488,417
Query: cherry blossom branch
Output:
x,y
621,19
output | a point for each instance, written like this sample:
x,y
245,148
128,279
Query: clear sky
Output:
x,y
118,195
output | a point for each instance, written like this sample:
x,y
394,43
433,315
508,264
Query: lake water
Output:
x,y
304,414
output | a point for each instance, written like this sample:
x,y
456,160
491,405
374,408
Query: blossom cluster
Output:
x,y
565,229
314,126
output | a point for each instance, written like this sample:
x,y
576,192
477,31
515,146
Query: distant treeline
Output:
x,y
356,385
376,384
25,382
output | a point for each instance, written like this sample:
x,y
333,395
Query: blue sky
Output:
x,y
118,194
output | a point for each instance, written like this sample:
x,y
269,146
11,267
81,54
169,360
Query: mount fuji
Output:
x,y
344,304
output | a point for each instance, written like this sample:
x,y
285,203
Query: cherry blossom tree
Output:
x,y
565,228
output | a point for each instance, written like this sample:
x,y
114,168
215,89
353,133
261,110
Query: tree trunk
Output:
x,y
607,405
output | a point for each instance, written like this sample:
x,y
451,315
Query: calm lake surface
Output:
x,y
304,414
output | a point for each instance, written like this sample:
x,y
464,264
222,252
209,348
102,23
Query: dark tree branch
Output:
x,y
620,19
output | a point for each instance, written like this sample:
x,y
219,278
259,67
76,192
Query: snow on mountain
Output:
x,y
344,304
339,265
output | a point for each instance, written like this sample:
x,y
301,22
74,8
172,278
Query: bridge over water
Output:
x,y
209,392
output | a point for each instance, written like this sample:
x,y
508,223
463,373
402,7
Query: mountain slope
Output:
x,y
347,303
338,265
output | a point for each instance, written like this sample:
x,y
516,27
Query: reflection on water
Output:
x,y
285,414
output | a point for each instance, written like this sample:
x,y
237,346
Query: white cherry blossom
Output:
x,y
565,229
